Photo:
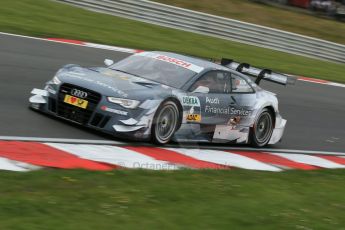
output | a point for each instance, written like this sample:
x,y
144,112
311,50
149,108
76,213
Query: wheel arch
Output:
x,y
273,113
270,108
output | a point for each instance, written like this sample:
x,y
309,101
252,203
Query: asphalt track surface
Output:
x,y
315,113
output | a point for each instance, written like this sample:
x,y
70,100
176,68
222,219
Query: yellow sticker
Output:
x,y
109,73
75,101
194,117
124,78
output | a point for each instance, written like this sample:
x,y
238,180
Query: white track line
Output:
x,y
336,84
6,164
22,36
107,47
114,155
310,160
226,158
85,44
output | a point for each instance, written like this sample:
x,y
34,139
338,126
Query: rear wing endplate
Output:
x,y
259,74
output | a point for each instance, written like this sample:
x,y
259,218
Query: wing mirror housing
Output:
x,y
201,89
108,62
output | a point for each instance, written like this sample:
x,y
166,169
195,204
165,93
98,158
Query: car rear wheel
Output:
x,y
262,130
165,123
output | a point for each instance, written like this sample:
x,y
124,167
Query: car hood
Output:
x,y
110,82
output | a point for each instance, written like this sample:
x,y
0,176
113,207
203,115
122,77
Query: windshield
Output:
x,y
156,70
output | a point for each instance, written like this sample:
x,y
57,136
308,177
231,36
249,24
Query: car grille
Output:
x,y
52,105
71,112
99,120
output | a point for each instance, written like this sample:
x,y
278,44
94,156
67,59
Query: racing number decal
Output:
x,y
192,105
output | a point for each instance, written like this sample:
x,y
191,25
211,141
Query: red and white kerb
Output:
x,y
172,60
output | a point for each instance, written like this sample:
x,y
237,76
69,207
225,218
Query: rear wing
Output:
x,y
259,74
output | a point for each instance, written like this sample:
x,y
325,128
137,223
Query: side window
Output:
x,y
239,85
212,82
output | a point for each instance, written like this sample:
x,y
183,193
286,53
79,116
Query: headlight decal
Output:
x,y
126,103
56,80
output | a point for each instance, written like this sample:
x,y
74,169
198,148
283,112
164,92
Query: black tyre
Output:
x,y
262,130
165,122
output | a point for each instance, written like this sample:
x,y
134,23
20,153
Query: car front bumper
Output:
x,y
102,115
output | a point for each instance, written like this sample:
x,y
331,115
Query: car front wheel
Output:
x,y
165,123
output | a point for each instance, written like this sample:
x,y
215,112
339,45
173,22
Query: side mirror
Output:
x,y
108,62
201,89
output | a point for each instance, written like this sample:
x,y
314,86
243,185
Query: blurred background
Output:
x,y
328,8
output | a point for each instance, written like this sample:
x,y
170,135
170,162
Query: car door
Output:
x,y
239,116
211,97
243,97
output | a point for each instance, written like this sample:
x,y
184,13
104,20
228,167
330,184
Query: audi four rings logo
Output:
x,y
78,93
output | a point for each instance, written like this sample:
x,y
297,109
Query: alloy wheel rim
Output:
x,y
263,127
166,123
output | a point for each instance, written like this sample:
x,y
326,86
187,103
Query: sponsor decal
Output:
x,y
112,73
227,110
79,77
194,113
190,101
115,90
240,112
193,117
211,100
72,100
175,61
116,111
124,78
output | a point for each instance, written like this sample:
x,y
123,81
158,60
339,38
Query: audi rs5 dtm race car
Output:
x,y
163,96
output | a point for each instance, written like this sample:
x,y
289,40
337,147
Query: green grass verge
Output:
x,y
293,19
133,199
46,18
